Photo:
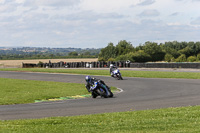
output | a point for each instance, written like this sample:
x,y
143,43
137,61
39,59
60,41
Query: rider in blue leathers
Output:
x,y
91,83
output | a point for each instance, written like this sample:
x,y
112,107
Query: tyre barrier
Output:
x,y
120,64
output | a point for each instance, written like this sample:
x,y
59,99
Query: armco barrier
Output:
x,y
121,64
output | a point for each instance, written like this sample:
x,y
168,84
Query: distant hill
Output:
x,y
44,52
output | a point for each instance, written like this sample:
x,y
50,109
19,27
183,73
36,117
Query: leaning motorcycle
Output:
x,y
101,90
117,74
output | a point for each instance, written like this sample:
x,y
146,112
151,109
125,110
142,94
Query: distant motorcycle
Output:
x,y
101,90
117,74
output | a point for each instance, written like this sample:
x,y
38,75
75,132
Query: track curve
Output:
x,y
138,94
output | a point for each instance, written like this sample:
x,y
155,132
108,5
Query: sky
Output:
x,y
95,23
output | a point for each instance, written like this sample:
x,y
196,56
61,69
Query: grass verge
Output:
x,y
18,91
15,91
173,120
125,73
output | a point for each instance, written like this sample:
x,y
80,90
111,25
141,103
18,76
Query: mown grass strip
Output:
x,y
173,120
125,73
16,91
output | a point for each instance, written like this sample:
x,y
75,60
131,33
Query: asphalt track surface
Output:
x,y
138,94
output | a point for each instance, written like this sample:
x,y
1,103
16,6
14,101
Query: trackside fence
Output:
x,y
121,64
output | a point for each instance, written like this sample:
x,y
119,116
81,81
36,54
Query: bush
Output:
x,y
192,59
125,57
111,59
141,56
101,59
169,58
40,64
181,58
198,57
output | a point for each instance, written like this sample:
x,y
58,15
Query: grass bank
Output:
x,y
125,73
173,120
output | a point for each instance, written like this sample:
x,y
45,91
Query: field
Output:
x,y
18,63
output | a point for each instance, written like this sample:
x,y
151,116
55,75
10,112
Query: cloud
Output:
x,y
196,21
89,16
146,2
89,23
51,3
189,0
174,14
195,0
2,1
7,9
149,13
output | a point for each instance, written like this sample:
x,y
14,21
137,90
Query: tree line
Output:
x,y
43,56
47,53
148,52
151,52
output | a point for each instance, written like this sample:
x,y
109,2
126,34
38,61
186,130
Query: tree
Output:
x,y
73,54
51,56
108,52
197,48
193,48
154,50
124,47
141,56
186,51
170,51
86,53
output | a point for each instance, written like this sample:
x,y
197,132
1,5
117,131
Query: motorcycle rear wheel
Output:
x,y
111,94
94,95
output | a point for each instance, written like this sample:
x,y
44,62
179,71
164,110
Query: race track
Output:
x,y
138,94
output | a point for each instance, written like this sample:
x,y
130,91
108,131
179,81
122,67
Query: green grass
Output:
x,y
125,73
15,91
160,74
170,120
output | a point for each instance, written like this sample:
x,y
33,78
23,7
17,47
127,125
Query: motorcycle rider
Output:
x,y
112,68
91,83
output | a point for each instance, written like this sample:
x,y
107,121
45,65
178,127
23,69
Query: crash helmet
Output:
x,y
88,79
111,65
